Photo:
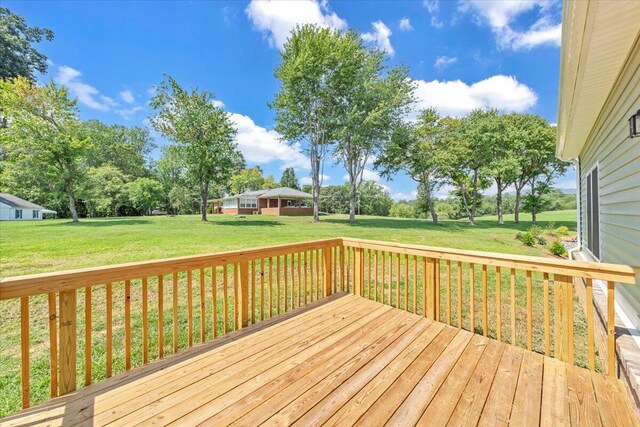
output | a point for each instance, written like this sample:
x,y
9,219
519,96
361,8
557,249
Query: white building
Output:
x,y
14,208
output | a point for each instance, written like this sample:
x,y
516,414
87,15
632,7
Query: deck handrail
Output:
x,y
246,286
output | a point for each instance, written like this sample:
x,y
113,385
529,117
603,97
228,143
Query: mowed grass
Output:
x,y
36,247
52,245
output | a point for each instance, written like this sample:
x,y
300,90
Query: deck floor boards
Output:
x,y
345,361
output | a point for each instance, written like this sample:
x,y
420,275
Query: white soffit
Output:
x,y
597,37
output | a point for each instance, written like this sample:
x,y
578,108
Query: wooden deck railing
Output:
x,y
198,298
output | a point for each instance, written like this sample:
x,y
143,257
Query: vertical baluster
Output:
x,y
174,284
437,290
127,324
24,351
53,344
390,302
398,274
611,329
300,285
286,283
87,335
190,307
109,325
448,292
311,276
253,291
513,304
278,308
262,290
498,304
305,278
270,305
590,338
570,317
145,321
472,298
236,283
242,301
459,295
370,270
318,287
68,340
415,284
225,296
485,320
348,255
547,316
214,293
406,282
375,280
529,314
427,290
160,318
202,310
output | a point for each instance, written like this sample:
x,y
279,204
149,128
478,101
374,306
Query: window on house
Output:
x,y
593,213
248,203
230,203
18,213
36,214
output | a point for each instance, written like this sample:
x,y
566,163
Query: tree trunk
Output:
x,y
535,202
72,201
204,190
315,180
516,208
474,202
499,200
434,214
353,190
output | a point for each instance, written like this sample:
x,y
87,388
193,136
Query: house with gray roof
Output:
x,y
277,201
13,208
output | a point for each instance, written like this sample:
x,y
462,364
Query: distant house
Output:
x,y
14,208
278,201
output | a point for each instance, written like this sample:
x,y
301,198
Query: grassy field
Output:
x,y
52,245
35,247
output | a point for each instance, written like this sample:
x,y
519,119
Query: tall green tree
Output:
x,y
44,130
373,101
289,179
305,105
144,194
416,149
105,190
202,132
247,180
18,56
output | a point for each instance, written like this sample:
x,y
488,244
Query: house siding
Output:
x,y
618,160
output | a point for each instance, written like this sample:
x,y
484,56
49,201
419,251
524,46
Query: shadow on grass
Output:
x,y
246,222
446,225
97,222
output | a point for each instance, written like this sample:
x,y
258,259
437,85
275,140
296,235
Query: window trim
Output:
x,y
588,224
18,214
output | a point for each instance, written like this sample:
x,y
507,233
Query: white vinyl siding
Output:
x,y
618,168
592,203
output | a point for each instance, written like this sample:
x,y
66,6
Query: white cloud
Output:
x,y
380,37
405,25
86,94
399,195
217,103
502,15
127,96
433,7
444,61
367,175
456,98
435,22
277,18
260,145
307,179
126,113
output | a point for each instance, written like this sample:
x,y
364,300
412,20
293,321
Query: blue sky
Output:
x,y
462,55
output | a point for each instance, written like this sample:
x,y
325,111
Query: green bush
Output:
x,y
551,225
557,248
536,231
541,240
563,230
518,236
528,239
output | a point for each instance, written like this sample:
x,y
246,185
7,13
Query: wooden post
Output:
x,y
611,330
24,350
243,295
67,359
561,294
326,272
429,291
358,274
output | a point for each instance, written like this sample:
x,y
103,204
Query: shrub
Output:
x,y
541,240
528,239
557,248
518,236
536,231
563,230
551,225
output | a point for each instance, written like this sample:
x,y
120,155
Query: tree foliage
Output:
x,y
18,56
289,179
202,133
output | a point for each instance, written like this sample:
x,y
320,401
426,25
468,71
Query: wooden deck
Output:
x,y
346,360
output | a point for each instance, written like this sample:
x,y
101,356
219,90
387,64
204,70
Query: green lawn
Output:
x,y
52,245
35,247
